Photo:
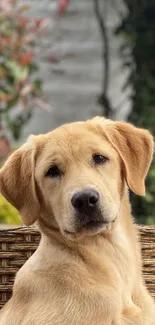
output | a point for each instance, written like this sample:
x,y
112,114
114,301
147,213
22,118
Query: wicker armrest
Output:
x,y
17,245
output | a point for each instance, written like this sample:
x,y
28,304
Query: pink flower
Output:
x,y
22,21
25,58
62,5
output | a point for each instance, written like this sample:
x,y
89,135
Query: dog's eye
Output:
x,y
99,159
53,171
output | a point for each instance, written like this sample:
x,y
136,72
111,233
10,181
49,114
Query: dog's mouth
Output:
x,y
92,226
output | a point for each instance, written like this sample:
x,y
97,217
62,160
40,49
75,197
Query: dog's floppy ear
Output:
x,y
135,147
17,183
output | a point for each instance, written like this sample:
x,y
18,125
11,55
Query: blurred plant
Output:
x,y
110,107
8,214
18,35
5,148
100,9
138,53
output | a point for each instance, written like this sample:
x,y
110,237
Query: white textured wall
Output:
x,y
71,86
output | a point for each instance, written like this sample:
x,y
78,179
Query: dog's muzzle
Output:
x,y
86,204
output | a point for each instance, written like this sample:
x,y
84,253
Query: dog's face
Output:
x,y
74,176
79,176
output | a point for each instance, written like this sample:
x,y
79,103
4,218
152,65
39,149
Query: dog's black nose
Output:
x,y
85,201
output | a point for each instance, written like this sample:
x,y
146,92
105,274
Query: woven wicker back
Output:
x,y
17,245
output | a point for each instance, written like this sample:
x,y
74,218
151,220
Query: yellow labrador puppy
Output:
x,y
87,269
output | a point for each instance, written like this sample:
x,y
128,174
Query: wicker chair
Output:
x,y
17,245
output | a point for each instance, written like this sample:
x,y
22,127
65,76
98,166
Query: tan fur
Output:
x,y
79,277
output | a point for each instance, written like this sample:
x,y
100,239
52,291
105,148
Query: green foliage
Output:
x,y
18,84
18,36
138,52
8,214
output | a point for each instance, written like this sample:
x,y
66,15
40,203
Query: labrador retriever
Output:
x,y
74,183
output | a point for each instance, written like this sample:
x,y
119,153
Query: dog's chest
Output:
x,y
68,294
77,310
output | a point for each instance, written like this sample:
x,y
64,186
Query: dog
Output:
x,y
74,183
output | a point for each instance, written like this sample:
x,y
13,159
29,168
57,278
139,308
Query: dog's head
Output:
x,y
74,177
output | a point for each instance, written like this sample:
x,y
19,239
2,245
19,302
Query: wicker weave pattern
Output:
x,y
17,245
148,252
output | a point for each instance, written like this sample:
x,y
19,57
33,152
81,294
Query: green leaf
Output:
x,y
38,84
18,72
